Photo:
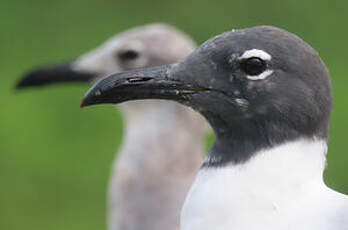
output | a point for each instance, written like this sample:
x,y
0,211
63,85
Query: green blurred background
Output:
x,y
55,158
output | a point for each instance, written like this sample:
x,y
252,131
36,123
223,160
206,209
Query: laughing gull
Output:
x,y
267,95
163,145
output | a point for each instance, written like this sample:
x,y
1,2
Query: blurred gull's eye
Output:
x,y
128,55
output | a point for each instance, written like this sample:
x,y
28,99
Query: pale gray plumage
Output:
x,y
163,141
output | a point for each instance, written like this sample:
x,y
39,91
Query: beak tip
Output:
x,y
17,86
21,83
83,103
87,100
92,97
29,79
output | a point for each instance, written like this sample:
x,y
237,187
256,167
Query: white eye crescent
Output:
x,y
256,53
261,76
252,63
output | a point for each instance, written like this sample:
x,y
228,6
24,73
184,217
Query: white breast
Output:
x,y
280,188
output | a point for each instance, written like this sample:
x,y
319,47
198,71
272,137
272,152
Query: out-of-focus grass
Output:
x,y
55,158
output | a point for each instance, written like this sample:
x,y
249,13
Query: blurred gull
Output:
x,y
163,141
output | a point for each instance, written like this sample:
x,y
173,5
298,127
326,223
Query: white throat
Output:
x,y
263,191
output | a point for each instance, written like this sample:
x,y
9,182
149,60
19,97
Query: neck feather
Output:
x,y
161,132
238,140
292,163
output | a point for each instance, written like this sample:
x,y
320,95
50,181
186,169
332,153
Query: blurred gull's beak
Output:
x,y
51,74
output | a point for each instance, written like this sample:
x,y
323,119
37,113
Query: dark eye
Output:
x,y
253,66
128,55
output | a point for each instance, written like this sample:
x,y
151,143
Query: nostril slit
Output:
x,y
138,79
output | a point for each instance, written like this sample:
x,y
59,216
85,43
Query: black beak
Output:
x,y
151,83
54,74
